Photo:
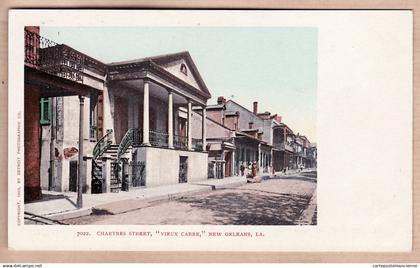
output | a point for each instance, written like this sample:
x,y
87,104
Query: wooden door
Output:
x,y
73,176
100,117
120,118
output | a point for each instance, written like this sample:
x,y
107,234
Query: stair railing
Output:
x,y
126,142
100,147
103,144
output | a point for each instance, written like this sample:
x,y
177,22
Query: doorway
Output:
x,y
120,118
73,176
183,169
228,164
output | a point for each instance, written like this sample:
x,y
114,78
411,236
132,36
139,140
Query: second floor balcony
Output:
x,y
284,146
58,59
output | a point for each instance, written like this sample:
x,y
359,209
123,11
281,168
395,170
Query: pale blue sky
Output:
x,y
275,66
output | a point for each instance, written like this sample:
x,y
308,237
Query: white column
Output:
x,y
146,141
203,128
106,174
170,121
232,161
189,126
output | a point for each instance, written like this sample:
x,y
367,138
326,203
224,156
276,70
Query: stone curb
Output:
x,y
138,204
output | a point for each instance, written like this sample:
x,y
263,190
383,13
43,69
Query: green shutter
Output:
x,y
45,111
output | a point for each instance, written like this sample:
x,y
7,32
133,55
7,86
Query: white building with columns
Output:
x,y
138,128
150,104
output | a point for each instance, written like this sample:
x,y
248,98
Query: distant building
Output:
x,y
252,134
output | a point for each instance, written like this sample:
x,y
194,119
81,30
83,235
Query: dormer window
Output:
x,y
183,69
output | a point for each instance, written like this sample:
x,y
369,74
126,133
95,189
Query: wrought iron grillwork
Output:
x,y
116,175
100,147
197,144
53,58
159,139
92,132
97,181
218,170
103,144
137,136
210,170
138,176
180,142
183,169
126,142
133,137
215,170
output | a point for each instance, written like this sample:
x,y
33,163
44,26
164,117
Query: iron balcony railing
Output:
x,y
137,136
92,132
284,146
56,59
180,142
158,139
197,144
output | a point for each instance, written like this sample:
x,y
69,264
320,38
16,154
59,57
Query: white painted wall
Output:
x,y
162,165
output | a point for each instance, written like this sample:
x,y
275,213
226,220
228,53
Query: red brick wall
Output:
x,y
32,143
216,115
232,122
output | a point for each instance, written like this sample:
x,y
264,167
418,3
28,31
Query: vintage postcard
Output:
x,y
210,130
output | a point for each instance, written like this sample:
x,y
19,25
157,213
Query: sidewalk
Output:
x,y
61,206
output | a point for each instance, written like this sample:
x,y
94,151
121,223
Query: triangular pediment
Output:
x,y
182,66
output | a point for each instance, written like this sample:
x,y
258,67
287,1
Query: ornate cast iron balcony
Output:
x,y
284,146
58,59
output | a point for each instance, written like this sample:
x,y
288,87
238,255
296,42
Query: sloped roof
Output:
x,y
163,59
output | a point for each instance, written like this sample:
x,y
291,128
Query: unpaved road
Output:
x,y
272,202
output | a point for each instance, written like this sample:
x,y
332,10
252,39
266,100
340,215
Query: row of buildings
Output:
x,y
145,122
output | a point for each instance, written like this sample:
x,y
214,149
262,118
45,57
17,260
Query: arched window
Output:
x,y
184,69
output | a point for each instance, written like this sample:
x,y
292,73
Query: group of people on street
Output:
x,y
252,169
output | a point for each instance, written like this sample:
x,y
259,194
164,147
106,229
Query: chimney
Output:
x,y
255,107
221,100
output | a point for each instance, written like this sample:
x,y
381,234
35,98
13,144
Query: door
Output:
x,y
120,118
100,117
183,169
138,178
228,164
73,176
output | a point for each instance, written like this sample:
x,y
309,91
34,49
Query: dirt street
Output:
x,y
279,201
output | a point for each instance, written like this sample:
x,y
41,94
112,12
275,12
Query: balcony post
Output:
x,y
146,141
170,121
204,128
189,125
259,157
80,168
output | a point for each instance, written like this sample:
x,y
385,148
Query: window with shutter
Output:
x,y
45,111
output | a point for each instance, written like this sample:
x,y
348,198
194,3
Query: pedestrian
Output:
x,y
242,169
254,170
